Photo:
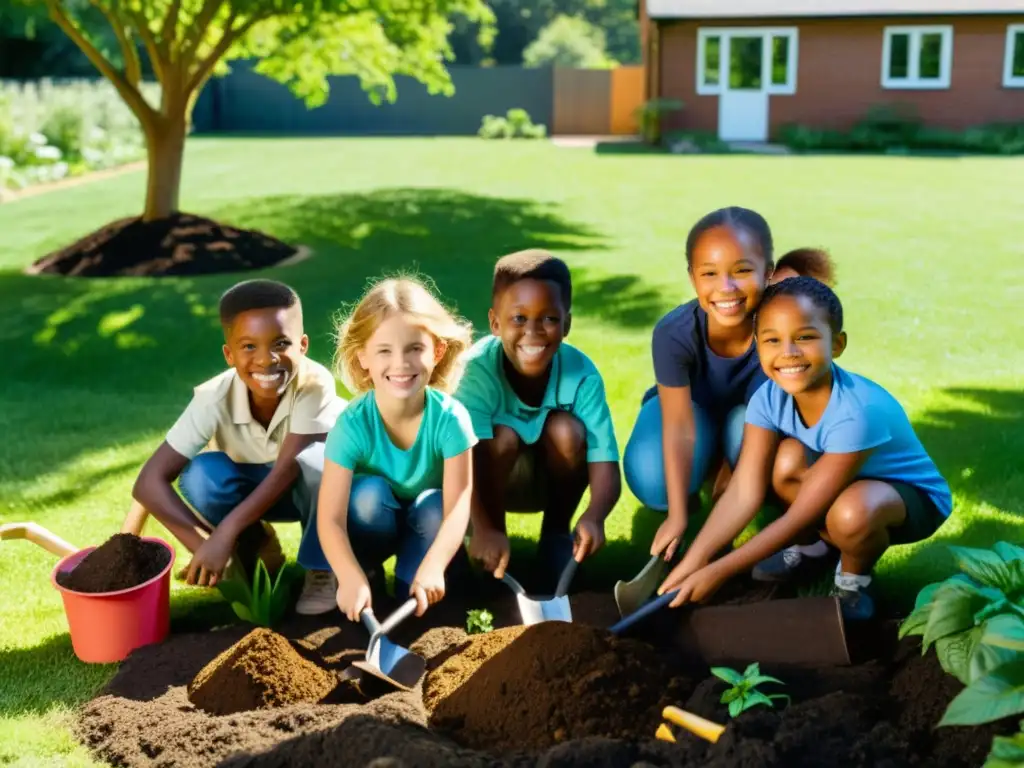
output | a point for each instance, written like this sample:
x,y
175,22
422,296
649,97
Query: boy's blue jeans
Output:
x,y
213,485
643,462
381,525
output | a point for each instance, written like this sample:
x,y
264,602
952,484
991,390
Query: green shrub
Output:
x,y
650,117
516,124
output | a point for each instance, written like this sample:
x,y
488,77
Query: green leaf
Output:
x,y
1004,631
234,591
730,695
997,695
1009,552
729,675
785,696
954,653
986,659
764,679
927,594
242,611
753,670
916,622
952,611
735,707
756,697
1007,751
984,566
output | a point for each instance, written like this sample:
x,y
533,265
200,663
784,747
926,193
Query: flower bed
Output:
x,y
51,130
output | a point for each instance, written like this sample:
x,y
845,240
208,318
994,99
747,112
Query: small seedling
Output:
x,y
479,621
264,603
744,694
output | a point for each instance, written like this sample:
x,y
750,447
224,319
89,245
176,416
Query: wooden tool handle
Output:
x,y
38,535
695,724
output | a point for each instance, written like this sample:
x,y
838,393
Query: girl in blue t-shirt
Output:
x,y
397,474
706,366
837,449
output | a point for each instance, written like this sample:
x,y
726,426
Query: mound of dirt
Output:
x,y
533,688
121,562
182,244
261,671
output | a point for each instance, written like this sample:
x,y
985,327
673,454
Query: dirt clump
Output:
x,y
261,671
123,561
182,244
532,688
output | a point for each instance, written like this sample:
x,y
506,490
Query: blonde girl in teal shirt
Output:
x,y
397,474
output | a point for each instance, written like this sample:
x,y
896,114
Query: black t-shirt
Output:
x,y
682,358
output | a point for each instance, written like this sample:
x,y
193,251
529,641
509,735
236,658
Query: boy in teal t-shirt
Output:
x,y
539,409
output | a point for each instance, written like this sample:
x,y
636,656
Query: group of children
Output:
x,y
444,437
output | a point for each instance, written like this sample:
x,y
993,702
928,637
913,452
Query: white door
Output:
x,y
743,103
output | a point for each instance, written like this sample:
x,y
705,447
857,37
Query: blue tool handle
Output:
x,y
643,612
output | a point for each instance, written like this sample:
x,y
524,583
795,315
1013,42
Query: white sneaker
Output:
x,y
319,593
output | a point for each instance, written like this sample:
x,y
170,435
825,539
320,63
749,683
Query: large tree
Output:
x,y
297,42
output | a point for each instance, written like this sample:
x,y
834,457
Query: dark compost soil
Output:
x,y
121,562
182,244
549,695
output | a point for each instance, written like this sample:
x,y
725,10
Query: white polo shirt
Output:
x,y
219,417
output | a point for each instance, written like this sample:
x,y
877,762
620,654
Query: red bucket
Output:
x,y
107,626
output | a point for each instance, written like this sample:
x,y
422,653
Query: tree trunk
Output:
x,y
165,145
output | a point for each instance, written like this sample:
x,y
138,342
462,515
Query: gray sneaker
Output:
x,y
319,594
780,567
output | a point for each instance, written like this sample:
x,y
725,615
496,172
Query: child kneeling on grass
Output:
x,y
397,475
249,447
539,409
836,447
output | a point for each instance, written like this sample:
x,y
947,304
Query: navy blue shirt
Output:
x,y
683,358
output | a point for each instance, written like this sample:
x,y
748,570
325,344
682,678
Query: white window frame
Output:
x,y
1009,81
724,33
913,81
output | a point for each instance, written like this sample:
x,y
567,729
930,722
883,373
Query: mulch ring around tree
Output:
x,y
183,244
553,694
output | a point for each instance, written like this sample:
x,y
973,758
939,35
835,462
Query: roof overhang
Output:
x,y
769,9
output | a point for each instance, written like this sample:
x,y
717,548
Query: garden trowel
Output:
x,y
535,609
385,660
38,535
630,595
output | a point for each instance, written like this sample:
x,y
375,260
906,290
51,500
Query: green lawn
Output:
x,y
930,272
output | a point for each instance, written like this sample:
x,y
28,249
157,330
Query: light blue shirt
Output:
x,y
360,442
574,386
860,416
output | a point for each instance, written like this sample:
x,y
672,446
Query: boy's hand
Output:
x,y
588,539
210,560
491,548
354,596
698,586
427,586
666,540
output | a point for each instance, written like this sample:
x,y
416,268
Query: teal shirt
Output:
x,y
575,386
360,442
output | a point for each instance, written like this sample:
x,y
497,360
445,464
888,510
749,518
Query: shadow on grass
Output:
x,y
102,362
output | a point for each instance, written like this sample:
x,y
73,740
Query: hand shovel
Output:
x,y
534,610
387,661
630,595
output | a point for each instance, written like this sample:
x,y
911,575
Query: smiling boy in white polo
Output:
x,y
248,449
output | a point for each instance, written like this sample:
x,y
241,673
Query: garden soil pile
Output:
x,y
182,244
121,562
261,671
532,689
552,695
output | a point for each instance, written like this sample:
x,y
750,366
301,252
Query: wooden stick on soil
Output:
x,y
693,723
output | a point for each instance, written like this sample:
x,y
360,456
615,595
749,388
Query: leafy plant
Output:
x,y
479,621
744,694
264,603
651,115
1007,751
975,620
516,124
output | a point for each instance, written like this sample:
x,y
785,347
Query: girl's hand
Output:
x,y
666,540
354,596
588,539
699,586
427,586
490,547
